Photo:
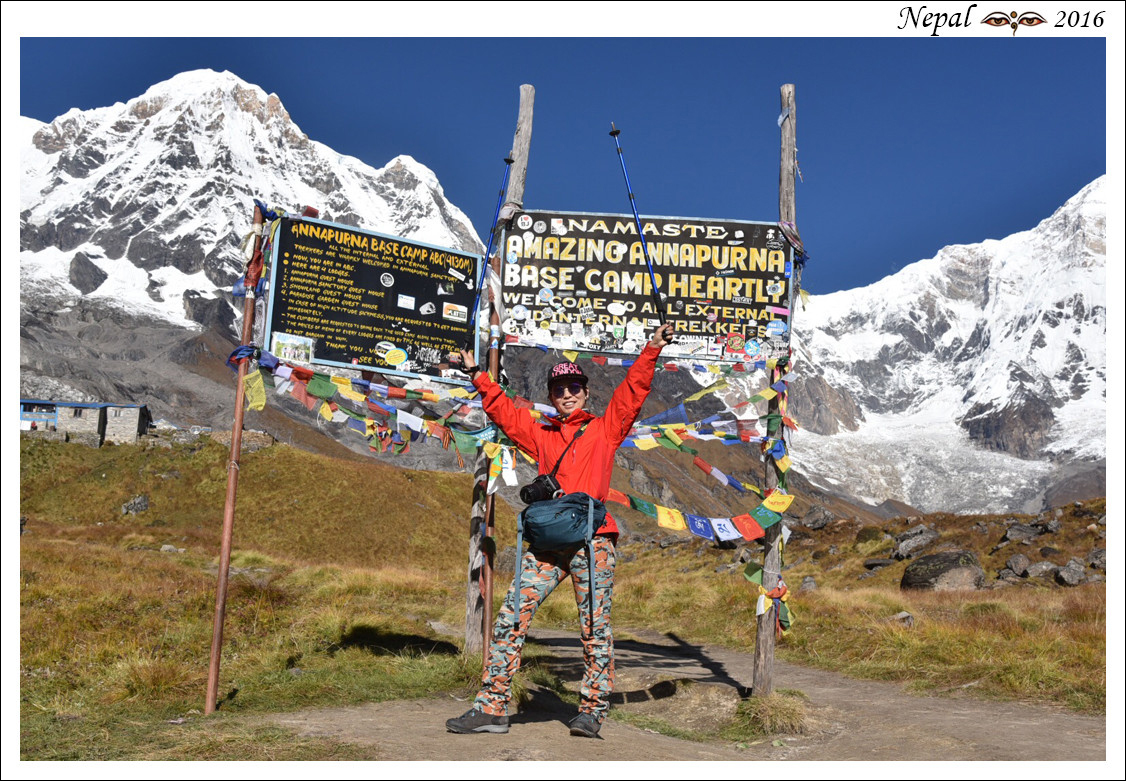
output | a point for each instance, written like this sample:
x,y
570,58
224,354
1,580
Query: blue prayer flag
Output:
x,y
699,526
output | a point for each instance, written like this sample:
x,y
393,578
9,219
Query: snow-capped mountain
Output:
x,y
978,376
131,219
141,206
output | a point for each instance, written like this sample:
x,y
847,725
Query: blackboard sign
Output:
x,y
341,296
577,281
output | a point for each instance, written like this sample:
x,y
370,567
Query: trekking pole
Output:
x,y
614,132
469,344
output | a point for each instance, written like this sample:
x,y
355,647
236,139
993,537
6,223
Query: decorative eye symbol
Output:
x,y
1013,20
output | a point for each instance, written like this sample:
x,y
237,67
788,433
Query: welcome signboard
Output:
x,y
342,296
576,281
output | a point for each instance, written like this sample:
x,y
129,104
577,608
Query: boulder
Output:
x,y
808,584
1019,532
948,571
904,618
908,546
1097,559
138,504
1019,564
1071,575
878,563
1048,527
1041,568
817,518
1008,576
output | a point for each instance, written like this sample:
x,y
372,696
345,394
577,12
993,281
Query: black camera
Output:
x,y
541,489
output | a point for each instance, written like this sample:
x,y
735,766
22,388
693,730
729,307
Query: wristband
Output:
x,y
471,370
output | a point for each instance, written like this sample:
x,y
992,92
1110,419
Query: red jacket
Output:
x,y
587,465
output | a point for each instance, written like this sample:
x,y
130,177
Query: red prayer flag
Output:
x,y
396,393
702,464
748,527
599,359
299,393
617,496
301,373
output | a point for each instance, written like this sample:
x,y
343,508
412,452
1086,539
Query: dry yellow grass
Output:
x,y
338,566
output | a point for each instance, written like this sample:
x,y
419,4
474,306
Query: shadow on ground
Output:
x,y
381,642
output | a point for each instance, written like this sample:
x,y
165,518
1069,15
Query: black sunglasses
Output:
x,y
574,387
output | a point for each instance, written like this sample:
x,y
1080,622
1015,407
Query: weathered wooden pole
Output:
x,y
479,592
763,683
253,273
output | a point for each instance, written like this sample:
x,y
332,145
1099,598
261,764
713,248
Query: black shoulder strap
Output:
x,y
577,435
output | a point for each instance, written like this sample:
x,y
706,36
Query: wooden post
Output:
x,y
232,481
479,590
763,682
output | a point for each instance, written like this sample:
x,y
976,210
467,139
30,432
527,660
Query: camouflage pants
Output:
x,y
541,573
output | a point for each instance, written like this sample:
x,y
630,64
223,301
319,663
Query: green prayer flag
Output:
x,y
321,386
753,572
643,506
465,444
765,517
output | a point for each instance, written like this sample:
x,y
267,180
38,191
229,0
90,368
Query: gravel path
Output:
x,y
689,685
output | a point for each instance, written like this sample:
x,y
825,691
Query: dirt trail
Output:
x,y
690,684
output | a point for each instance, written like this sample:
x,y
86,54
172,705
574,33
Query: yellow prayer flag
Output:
x,y
670,519
326,411
646,442
720,385
342,381
784,464
670,434
713,368
778,501
492,449
351,395
767,394
571,355
255,391
459,393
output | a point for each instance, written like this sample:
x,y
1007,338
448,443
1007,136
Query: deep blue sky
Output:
x,y
905,144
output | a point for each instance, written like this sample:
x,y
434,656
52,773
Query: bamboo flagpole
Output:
x,y
253,273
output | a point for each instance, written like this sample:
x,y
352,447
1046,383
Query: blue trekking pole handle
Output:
x,y
614,132
508,161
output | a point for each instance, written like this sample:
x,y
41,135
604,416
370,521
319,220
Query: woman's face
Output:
x,y
569,397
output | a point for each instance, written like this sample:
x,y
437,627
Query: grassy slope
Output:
x,y
339,564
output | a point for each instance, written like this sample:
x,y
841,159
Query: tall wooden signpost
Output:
x,y
763,681
479,593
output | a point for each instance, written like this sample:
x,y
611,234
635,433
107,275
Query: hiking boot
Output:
x,y
474,720
585,726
